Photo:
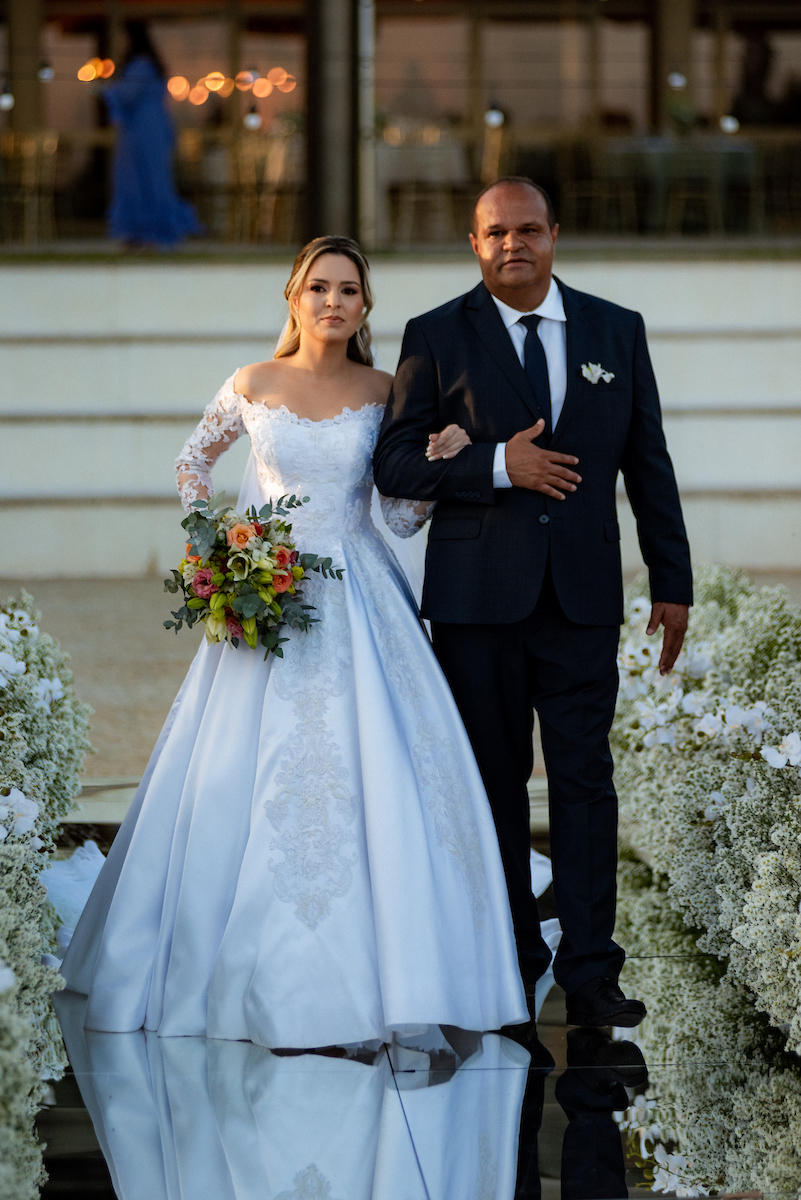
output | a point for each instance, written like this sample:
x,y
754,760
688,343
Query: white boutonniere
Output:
x,y
594,372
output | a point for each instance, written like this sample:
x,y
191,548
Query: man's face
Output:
x,y
513,240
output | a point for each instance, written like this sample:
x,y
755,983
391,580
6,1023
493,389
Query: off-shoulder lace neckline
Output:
x,y
282,409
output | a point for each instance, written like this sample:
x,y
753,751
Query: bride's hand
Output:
x,y
447,444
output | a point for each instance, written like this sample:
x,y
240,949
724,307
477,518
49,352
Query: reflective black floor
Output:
x,y
437,1119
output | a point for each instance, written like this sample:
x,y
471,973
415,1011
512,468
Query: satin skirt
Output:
x,y
310,858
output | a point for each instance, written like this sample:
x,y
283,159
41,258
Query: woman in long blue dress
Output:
x,y
145,207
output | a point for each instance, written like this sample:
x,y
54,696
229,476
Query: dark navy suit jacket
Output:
x,y
488,548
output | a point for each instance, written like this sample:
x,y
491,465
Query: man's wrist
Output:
x,y
500,476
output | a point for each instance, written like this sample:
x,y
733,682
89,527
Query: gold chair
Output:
x,y
595,186
694,182
28,186
265,199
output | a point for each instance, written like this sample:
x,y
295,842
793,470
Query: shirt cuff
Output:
x,y
500,478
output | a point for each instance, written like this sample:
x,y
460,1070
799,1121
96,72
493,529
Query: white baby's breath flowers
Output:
x,y
42,748
787,752
715,812
10,666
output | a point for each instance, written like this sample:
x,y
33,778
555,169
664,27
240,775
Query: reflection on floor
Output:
x,y
429,1119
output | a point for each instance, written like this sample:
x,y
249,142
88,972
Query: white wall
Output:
x,y
105,367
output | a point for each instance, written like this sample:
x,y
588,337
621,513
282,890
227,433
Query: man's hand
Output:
x,y
674,617
539,470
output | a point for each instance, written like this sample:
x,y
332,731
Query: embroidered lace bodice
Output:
x,y
330,461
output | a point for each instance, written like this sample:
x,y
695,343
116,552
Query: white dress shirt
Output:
x,y
552,332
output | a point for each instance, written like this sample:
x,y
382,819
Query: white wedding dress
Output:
x,y
190,1117
310,858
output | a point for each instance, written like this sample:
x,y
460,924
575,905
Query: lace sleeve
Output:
x,y
221,425
406,517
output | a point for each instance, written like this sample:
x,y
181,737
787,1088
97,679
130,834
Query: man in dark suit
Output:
x,y
523,580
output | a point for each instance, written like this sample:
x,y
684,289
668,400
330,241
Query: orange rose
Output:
x,y
281,556
191,557
240,535
282,581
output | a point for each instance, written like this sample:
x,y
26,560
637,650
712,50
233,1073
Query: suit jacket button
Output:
x,y
544,519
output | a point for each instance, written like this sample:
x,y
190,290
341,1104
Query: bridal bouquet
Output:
x,y
242,575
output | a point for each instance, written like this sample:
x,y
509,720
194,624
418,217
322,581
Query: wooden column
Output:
x,y
722,97
477,99
594,68
115,33
24,60
674,21
332,117
233,103
366,199
570,63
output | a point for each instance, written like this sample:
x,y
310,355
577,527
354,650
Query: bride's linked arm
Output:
x,y
219,428
406,517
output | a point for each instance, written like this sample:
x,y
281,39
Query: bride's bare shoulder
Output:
x,y
378,384
256,377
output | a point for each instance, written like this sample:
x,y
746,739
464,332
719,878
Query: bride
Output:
x,y
310,858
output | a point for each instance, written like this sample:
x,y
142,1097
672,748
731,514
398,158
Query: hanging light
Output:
x,y
494,118
277,75
227,88
729,124
199,94
252,119
262,88
677,81
46,73
244,80
214,81
6,99
178,87
289,84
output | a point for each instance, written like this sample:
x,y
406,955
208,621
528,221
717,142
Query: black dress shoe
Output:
x,y
601,1002
602,1063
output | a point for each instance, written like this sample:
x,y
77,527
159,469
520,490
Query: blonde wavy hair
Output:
x,y
359,345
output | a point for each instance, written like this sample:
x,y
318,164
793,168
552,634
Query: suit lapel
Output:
x,y
486,320
577,339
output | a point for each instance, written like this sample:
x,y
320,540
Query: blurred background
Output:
x,y
640,116
667,131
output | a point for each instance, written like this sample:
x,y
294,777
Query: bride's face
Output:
x,y
331,303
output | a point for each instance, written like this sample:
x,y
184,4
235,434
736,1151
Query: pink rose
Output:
x,y
202,585
234,628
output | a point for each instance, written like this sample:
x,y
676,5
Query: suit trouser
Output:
x,y
499,675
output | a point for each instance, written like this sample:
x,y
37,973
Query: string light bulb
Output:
x,y
178,87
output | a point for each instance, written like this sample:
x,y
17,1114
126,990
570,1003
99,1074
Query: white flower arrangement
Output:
x,y
707,769
594,372
42,747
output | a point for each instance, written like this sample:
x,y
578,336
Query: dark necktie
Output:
x,y
536,367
